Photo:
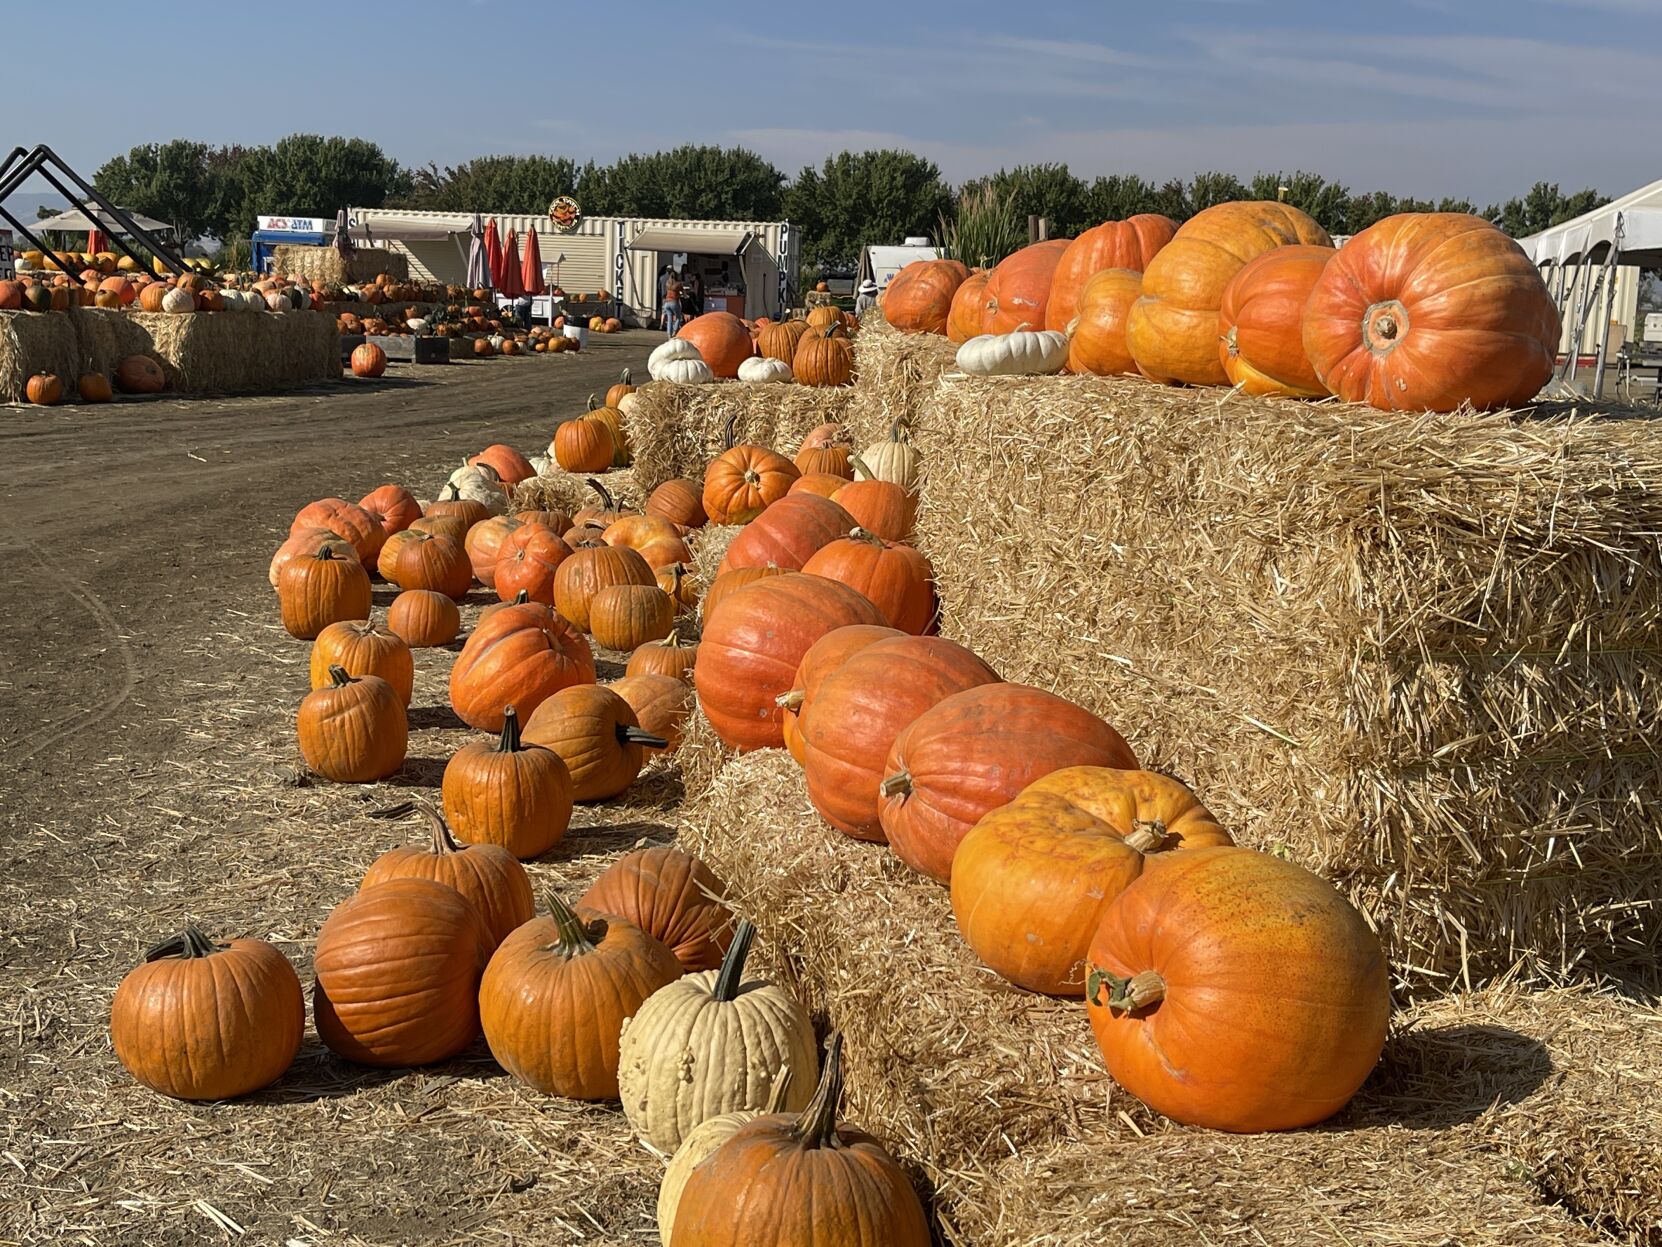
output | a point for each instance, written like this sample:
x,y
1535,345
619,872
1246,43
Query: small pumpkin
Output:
x,y
306,541
1096,341
596,733
831,460
44,389
624,617
679,501
661,704
508,793
555,996
1232,990
424,618
364,647
320,588
765,370
487,874
744,481
200,1020
433,562
622,388
353,730
581,577
711,1043
94,387
677,580
669,656
519,655
673,896
527,561
583,446
779,341
398,968
368,360
894,578
139,374
894,459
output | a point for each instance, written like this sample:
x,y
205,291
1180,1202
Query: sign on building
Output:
x,y
294,224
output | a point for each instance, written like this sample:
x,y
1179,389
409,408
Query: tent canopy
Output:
x,y
80,221
1590,235
692,241
404,229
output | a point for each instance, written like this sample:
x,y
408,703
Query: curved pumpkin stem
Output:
x,y
817,1126
781,1089
189,943
443,841
792,700
509,743
523,597
732,965
897,785
606,499
865,535
338,677
862,470
625,377
326,552
1129,992
594,402
727,431
627,735
575,940
1146,835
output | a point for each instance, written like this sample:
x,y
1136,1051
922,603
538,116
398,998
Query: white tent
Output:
x,y
1591,264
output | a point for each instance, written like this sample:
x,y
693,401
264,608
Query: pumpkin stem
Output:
x,y
625,377
510,729
627,735
606,499
790,701
327,551
1130,992
732,965
817,1126
897,431
191,942
593,402
862,471
865,535
520,599
338,677
897,785
1146,835
575,939
780,1090
727,431
443,841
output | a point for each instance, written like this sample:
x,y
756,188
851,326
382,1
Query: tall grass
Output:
x,y
984,228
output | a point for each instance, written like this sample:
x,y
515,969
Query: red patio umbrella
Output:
x,y
511,284
530,272
493,253
96,241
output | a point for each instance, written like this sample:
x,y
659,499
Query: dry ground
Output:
x,y
149,775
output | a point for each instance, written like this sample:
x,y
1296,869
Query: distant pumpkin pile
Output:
x,y
718,346
1421,311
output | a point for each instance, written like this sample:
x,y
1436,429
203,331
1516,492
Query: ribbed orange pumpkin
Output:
x,y
1429,311
44,389
517,656
823,657
484,542
349,520
139,374
591,569
1097,345
1172,329
353,730
424,618
895,578
429,562
779,341
673,897
1032,880
528,559
679,501
682,586
788,533
319,588
721,339
919,297
625,617
307,541
510,466
596,733
1018,291
508,793
1128,244
858,710
363,647
583,445
825,460
744,481
1232,990
879,507
451,505
671,656
661,704
753,643
368,360
731,582
1261,323
392,506
823,358
486,874
974,752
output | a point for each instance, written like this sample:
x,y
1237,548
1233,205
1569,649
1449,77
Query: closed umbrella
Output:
x,y
478,265
530,272
96,241
511,286
493,253
343,234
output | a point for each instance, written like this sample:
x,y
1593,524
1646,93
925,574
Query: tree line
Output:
x,y
850,200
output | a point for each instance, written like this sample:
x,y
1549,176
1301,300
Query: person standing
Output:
x,y
671,310
695,288
867,297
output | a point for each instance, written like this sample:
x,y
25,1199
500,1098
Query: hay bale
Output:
x,y
709,546
894,375
674,430
325,264
243,353
570,492
1487,1114
32,342
109,336
1420,653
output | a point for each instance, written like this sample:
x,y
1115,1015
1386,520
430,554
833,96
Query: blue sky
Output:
x,y
1474,98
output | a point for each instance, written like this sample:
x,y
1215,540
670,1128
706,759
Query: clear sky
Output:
x,y
1471,98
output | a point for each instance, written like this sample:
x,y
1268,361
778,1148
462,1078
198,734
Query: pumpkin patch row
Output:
x,y
1421,311
716,346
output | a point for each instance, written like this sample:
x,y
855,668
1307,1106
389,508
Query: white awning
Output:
x,y
692,241
1574,242
385,227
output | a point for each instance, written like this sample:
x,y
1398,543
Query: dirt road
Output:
x,y
149,776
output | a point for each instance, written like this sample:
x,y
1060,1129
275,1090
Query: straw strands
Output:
x,y
32,342
894,375
232,353
326,264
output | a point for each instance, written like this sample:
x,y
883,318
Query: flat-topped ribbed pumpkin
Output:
x,y
519,656
1261,323
486,873
788,533
1128,244
919,297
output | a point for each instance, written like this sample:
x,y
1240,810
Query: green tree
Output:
x,y
1327,202
1042,190
1118,196
858,199
1543,207
514,184
169,181
698,183
310,175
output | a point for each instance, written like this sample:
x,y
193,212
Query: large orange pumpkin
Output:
x,y
139,374
1018,292
897,579
393,507
510,466
1032,880
483,545
751,646
1097,344
823,657
859,709
673,897
1173,329
520,656
969,306
1232,990
744,481
919,298
680,501
732,582
1261,323
721,339
1429,311
1128,244
974,752
788,533
528,559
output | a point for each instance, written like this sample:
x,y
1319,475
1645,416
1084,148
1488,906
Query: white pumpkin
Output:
x,y
628,404
417,325
765,369
542,465
277,301
496,340
709,1044
178,301
685,372
1024,353
477,483
893,459
700,1145
667,352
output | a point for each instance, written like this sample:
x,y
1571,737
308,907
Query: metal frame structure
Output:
x,y
21,165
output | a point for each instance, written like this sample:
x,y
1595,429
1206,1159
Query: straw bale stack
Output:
x,y
1422,654
570,492
326,264
237,353
894,375
32,342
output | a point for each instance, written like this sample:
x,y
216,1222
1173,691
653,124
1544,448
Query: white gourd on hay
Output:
x,y
476,483
708,1044
764,369
668,352
894,459
1024,353
685,372
178,301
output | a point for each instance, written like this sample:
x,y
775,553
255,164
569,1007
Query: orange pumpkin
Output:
x,y
788,533
821,483
527,562
1032,880
744,481
94,387
825,460
680,501
363,647
1261,323
731,582
919,298
393,507
44,389
1018,291
583,445
822,658
673,897
780,340
483,545
589,570
1429,311
319,587
347,519
519,656
353,730
895,578
879,507
721,339
1128,244
508,793
424,618
1232,990
1097,345
661,704
426,561
823,358
510,466
1172,329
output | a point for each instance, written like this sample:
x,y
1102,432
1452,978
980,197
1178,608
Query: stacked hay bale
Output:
x,y
894,375
231,353
326,264
32,342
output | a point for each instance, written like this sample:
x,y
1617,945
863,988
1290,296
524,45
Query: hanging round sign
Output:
x,y
564,214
